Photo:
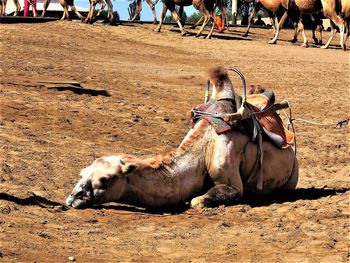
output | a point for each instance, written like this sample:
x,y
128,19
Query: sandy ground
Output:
x,y
138,87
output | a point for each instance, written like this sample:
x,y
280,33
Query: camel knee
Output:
x,y
217,195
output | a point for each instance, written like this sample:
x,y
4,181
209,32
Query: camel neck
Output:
x,y
176,178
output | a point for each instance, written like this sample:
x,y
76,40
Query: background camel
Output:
x,y
343,9
139,9
207,168
206,7
280,7
297,8
89,19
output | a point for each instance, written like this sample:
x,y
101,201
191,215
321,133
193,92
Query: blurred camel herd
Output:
x,y
337,11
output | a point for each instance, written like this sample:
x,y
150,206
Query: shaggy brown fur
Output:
x,y
217,76
256,89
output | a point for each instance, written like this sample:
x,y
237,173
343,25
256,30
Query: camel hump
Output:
x,y
217,75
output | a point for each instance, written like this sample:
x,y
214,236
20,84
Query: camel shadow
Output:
x,y
33,200
298,194
251,200
225,36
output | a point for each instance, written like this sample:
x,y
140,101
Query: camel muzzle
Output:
x,y
82,195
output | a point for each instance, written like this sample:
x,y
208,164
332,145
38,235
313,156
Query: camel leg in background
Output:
x,y
18,7
3,4
138,9
93,4
65,10
74,9
152,6
102,6
279,27
110,15
161,18
45,6
257,7
333,33
302,29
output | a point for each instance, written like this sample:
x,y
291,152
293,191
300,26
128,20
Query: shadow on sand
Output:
x,y
253,201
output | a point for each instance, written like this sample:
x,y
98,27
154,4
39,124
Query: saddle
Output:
x,y
269,122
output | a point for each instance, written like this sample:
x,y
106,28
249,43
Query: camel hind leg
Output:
x,y
161,18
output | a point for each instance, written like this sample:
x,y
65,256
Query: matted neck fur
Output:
x,y
225,161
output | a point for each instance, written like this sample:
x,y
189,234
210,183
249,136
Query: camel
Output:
x,y
89,19
207,169
296,8
278,6
3,4
139,9
344,11
206,7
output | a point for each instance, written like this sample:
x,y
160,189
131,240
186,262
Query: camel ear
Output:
x,y
129,168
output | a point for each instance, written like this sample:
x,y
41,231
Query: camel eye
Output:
x,y
105,182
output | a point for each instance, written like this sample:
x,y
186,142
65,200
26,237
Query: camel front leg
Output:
x,y
218,195
45,6
279,27
162,15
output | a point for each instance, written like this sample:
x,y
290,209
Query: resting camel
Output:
x,y
89,19
139,9
206,7
343,8
3,4
278,6
207,169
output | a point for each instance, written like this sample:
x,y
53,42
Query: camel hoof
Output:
x,y
324,47
198,203
272,42
294,40
343,46
306,45
155,22
208,37
245,34
156,30
184,33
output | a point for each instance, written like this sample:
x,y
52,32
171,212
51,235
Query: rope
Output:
x,y
339,124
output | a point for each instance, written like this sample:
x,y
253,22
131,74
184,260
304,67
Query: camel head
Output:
x,y
103,181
